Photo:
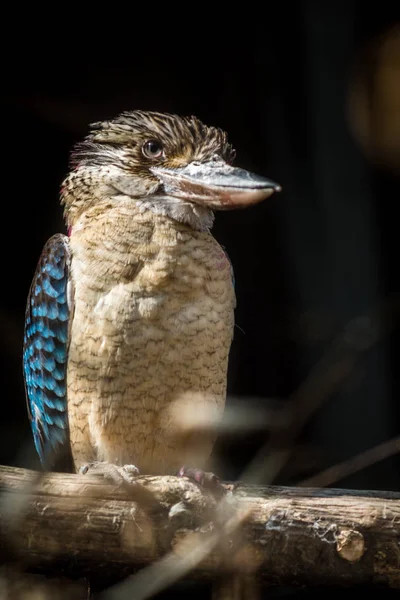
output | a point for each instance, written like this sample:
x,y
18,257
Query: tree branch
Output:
x,y
289,536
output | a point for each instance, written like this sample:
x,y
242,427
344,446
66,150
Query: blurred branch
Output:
x,y
17,585
357,463
327,375
81,524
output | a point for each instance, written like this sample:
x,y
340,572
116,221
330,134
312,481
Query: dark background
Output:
x,y
310,95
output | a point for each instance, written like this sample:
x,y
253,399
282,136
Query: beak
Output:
x,y
215,184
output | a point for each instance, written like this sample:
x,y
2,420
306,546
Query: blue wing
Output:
x,y
46,348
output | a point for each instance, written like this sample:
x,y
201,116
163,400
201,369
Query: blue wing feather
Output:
x,y
45,350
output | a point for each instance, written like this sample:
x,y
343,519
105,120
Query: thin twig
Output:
x,y
353,465
325,377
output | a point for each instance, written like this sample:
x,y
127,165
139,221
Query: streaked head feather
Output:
x,y
184,139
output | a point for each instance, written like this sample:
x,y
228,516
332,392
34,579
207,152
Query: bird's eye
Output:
x,y
152,149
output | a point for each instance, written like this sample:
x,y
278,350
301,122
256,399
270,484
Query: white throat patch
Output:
x,y
196,216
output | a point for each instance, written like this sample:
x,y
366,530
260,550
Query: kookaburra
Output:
x,y
130,317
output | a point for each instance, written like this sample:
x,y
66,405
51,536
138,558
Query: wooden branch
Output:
x,y
289,536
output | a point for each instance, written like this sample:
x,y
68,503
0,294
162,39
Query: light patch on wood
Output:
x,y
350,545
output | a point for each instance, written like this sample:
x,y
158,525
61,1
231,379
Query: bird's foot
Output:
x,y
205,479
114,473
125,477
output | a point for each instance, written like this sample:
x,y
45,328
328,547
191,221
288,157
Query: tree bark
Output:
x,y
82,524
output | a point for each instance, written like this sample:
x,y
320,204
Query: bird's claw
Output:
x,y
114,473
207,480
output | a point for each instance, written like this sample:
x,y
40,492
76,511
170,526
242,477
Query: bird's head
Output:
x,y
172,165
